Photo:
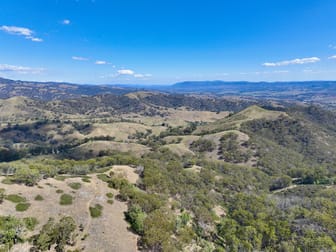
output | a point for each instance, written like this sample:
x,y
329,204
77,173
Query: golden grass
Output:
x,y
234,122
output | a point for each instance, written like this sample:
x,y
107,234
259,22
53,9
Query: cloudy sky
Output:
x,y
163,42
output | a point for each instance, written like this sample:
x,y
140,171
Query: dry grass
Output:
x,y
98,146
177,117
127,172
107,233
234,122
119,130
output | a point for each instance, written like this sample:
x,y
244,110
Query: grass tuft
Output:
x,y
39,198
96,211
66,199
75,185
21,207
15,198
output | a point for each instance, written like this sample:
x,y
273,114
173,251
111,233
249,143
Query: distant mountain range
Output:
x,y
319,92
55,90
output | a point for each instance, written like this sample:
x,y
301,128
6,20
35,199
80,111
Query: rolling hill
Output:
x,y
171,172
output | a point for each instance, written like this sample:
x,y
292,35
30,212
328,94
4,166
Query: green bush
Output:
x,y
52,233
75,185
136,217
27,176
15,198
202,145
38,198
11,232
2,195
96,211
66,199
21,207
86,180
109,195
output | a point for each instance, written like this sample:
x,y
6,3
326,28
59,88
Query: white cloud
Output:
x,y
101,62
17,30
265,72
281,71
20,69
126,72
36,39
142,75
79,58
139,75
222,74
332,57
20,31
292,62
129,72
66,22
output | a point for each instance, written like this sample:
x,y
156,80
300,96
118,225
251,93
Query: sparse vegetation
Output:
x,y
202,145
231,151
30,223
55,233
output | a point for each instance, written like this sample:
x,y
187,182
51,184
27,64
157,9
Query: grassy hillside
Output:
x,y
234,121
187,173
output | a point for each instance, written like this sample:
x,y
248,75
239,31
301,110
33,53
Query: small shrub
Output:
x,y
39,198
60,178
75,185
21,207
96,211
110,201
66,199
15,198
86,180
59,191
109,195
103,177
2,195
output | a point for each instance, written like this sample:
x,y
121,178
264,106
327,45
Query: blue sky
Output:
x,y
163,42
